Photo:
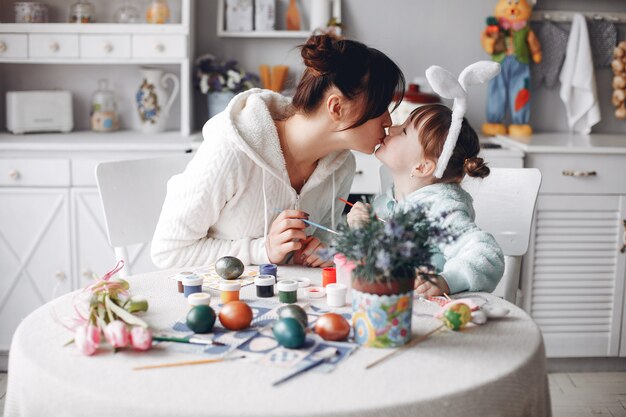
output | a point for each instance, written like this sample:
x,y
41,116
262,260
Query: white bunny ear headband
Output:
x,y
444,84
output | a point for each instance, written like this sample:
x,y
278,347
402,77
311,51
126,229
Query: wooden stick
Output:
x,y
185,363
352,205
401,349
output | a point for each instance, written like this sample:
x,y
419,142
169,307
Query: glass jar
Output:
x,y
127,13
158,12
82,12
30,12
104,109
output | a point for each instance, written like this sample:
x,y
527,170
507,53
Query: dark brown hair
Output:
x,y
432,123
354,69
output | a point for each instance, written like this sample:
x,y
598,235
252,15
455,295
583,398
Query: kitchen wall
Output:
x,y
416,34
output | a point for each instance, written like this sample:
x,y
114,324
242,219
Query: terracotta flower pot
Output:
x,y
381,312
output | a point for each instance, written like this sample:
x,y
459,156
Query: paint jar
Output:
x,y
287,291
268,269
179,279
336,295
344,269
192,284
314,292
329,276
230,291
264,286
199,299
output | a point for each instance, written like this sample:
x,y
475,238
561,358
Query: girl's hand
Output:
x,y
308,256
285,235
428,289
359,215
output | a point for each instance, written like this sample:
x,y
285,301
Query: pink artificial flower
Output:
x,y
87,339
140,338
117,334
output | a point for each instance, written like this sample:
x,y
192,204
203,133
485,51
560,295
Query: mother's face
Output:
x,y
366,137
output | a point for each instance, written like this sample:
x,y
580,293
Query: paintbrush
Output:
x,y
352,205
190,340
306,367
185,363
311,223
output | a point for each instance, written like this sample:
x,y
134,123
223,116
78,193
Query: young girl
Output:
x,y
267,152
413,153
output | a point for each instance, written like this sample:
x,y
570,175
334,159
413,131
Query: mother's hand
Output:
x,y
285,235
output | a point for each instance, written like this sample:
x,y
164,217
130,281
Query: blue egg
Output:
x,y
289,333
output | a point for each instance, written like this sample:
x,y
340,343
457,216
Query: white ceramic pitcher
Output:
x,y
152,99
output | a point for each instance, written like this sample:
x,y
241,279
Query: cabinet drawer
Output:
x,y
366,179
34,172
105,46
568,174
13,46
162,46
53,46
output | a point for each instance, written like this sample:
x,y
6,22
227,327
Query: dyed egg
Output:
x,y
457,316
236,315
201,319
229,267
295,312
332,326
289,333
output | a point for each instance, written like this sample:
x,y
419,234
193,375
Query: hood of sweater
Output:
x,y
250,126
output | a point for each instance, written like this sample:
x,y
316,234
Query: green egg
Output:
x,y
289,333
201,319
295,312
229,267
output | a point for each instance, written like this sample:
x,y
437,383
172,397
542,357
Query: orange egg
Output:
x,y
235,315
332,326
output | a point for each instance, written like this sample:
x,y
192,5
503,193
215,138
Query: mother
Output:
x,y
267,154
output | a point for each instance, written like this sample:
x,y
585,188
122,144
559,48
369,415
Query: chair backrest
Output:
x,y
504,203
132,194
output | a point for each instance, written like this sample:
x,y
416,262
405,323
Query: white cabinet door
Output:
x,y
92,252
573,278
34,252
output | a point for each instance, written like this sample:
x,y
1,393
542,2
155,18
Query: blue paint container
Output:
x,y
268,269
192,284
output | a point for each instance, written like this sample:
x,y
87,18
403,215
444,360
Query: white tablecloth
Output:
x,y
493,370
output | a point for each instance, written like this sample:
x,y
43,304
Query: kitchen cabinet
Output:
x,y
52,231
574,272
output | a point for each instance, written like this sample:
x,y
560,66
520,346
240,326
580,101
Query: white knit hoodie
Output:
x,y
228,196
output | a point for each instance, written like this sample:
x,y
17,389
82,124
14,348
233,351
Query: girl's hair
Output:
x,y
432,123
354,69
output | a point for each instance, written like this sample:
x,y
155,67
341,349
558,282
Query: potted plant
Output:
x,y
221,81
387,256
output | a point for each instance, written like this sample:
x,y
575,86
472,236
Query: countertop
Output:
x,y
564,143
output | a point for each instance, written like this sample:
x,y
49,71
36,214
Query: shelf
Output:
x,y
100,28
284,34
96,61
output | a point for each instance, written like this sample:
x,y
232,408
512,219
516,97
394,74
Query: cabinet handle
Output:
x,y
3,47
60,276
359,172
14,174
569,173
54,46
159,47
87,273
108,47
623,249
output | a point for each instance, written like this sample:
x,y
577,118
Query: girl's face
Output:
x,y
370,134
401,150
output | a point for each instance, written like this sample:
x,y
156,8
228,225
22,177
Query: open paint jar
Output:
x,y
192,284
336,295
268,269
230,291
199,299
179,279
329,276
264,286
287,291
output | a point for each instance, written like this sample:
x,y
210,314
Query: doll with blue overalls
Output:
x,y
511,43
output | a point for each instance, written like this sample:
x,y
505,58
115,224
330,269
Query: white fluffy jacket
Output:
x,y
229,194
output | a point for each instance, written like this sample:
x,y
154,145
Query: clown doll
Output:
x,y
511,43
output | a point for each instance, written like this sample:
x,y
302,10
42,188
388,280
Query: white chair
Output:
x,y
504,203
132,194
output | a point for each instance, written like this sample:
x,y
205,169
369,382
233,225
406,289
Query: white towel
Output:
x,y
578,81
